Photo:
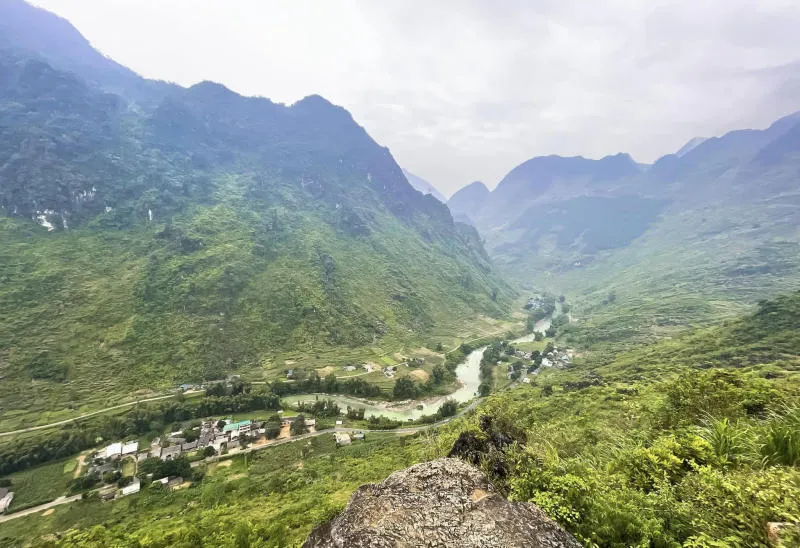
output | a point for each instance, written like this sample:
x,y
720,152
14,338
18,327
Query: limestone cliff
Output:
x,y
446,502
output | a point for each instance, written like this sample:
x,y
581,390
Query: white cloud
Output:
x,y
464,90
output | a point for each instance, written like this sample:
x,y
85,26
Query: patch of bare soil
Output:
x,y
420,375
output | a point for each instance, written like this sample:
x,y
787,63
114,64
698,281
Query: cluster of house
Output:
x,y
555,358
6,496
391,370
211,434
535,303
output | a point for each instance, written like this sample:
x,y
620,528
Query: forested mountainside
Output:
x,y
191,234
690,441
697,236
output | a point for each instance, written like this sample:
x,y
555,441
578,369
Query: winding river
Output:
x,y
467,374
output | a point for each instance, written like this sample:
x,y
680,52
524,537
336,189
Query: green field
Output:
x,y
41,484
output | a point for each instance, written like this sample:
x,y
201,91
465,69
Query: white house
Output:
x,y
131,488
6,497
114,450
130,447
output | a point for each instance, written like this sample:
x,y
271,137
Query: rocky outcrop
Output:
x,y
446,502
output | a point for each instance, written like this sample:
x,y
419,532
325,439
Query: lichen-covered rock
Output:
x,y
442,503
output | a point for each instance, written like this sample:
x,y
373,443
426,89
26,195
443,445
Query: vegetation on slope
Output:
x,y
692,441
204,237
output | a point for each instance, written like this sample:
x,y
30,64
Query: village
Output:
x,y
179,457
530,363
124,468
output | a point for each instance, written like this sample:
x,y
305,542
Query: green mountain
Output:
x,y
642,251
153,238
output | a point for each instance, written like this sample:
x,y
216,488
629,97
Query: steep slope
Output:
x,y
675,443
208,235
34,31
424,186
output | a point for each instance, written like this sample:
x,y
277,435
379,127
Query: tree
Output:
x,y
272,430
209,451
111,476
404,389
216,389
299,425
448,409
439,373
331,384
189,435
538,336
439,347
355,414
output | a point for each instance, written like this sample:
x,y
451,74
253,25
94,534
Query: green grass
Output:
x,y
41,484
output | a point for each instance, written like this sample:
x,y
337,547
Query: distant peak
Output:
x,y
207,87
619,156
476,185
314,100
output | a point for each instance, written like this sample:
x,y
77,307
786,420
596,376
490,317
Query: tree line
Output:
x,y
19,454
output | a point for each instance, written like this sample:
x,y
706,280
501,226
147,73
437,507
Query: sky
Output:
x,y
464,90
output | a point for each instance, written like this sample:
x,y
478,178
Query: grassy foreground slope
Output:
x,y
692,441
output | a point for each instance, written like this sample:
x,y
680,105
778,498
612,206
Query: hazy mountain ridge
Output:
x,y
719,220
60,44
424,186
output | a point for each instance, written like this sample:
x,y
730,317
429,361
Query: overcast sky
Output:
x,y
465,90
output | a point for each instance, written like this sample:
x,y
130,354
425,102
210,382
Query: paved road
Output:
x,y
98,412
27,512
